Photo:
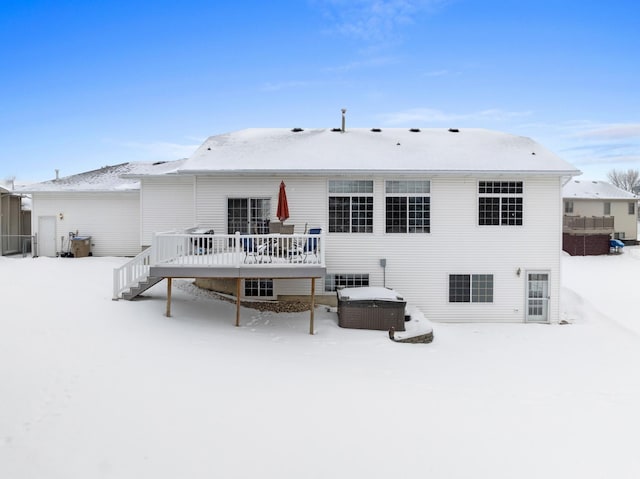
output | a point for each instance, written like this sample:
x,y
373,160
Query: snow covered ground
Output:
x,y
92,388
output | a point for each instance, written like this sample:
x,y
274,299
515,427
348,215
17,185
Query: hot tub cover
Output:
x,y
369,293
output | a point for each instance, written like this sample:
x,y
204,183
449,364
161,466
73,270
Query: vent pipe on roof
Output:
x,y
344,110
57,174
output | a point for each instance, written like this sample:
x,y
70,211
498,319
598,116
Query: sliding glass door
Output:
x,y
248,215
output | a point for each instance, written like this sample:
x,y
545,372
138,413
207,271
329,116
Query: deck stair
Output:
x,y
139,288
133,278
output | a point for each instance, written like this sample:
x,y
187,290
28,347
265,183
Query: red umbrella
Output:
x,y
283,207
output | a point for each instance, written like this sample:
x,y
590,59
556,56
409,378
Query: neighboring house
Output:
x,y
606,211
13,231
101,204
463,223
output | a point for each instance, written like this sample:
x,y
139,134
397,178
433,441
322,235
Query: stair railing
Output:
x,y
131,273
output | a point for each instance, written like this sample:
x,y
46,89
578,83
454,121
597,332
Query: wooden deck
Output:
x,y
180,255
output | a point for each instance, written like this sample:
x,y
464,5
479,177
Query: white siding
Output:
x,y
303,195
418,265
167,203
111,219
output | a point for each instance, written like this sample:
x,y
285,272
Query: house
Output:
x,y
101,204
594,213
464,223
15,236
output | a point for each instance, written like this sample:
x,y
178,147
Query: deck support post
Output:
x,y
168,313
313,304
238,281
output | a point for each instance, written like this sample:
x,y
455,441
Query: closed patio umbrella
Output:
x,y
283,207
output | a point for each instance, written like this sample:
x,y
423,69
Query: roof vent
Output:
x,y
414,130
454,130
344,111
296,130
376,130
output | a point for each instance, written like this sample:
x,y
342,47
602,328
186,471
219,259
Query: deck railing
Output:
x,y
237,250
131,273
205,250
585,223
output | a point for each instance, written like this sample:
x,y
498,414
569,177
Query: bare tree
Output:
x,y
627,180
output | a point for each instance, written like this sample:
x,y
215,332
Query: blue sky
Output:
x,y
91,83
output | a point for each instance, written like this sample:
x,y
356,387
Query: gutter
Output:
x,y
334,172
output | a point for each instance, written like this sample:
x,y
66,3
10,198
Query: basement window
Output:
x,y
258,288
333,282
471,288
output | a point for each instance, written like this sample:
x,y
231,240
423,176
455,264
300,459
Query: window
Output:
x,y
632,208
333,282
500,203
248,215
408,207
258,288
350,206
471,288
619,235
568,207
607,208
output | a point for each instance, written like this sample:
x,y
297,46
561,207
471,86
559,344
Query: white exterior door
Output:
x,y
538,296
46,235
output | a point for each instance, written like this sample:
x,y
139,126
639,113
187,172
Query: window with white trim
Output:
x,y
350,206
607,208
407,206
333,282
500,203
258,288
568,207
632,208
471,288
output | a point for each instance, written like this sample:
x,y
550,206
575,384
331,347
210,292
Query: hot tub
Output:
x,y
370,308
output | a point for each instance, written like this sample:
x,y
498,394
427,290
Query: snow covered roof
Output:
x,y
586,189
262,150
108,178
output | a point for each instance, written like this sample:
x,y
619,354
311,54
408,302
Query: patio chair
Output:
x,y
310,246
256,248
249,247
